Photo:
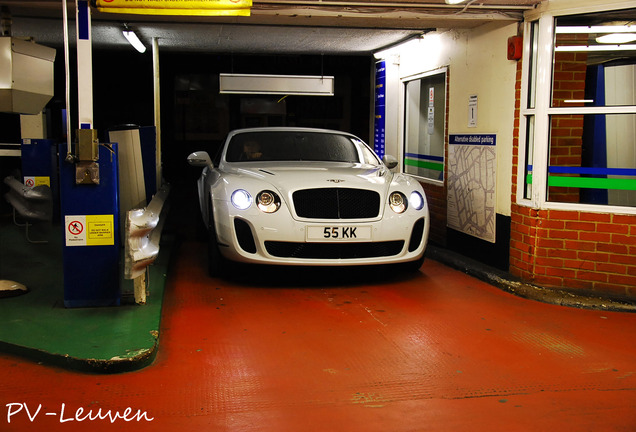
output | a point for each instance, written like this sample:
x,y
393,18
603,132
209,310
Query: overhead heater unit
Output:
x,y
277,84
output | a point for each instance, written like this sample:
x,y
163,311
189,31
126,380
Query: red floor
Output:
x,y
350,350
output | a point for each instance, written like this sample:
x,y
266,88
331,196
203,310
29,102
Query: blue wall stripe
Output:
x,y
83,20
426,157
592,171
589,171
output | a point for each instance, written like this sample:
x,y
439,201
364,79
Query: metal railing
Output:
x,y
31,204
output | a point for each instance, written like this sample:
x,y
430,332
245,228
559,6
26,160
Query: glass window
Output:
x,y
593,159
534,49
580,131
594,60
527,194
425,126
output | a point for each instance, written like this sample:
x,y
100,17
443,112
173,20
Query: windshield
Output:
x,y
298,146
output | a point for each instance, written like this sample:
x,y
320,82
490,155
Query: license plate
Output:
x,y
338,233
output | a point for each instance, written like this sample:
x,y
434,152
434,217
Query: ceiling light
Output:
x,y
134,40
600,48
453,2
616,38
595,29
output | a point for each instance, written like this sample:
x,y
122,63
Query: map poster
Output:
x,y
472,179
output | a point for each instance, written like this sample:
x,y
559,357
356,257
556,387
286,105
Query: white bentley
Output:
x,y
298,196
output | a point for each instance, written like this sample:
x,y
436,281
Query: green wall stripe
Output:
x,y
593,183
589,183
424,164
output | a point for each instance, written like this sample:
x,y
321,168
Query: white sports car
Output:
x,y
298,196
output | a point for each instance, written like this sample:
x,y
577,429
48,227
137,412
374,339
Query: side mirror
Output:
x,y
390,161
200,159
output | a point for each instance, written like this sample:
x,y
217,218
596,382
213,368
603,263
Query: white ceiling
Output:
x,y
275,26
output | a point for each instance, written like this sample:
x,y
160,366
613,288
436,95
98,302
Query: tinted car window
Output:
x,y
294,146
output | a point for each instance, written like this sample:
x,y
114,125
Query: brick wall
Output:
x,y
577,250
570,249
436,197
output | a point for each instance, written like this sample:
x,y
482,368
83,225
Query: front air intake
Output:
x,y
244,236
416,235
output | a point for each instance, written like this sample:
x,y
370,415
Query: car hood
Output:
x,y
289,178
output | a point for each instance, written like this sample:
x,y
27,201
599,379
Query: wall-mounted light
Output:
x,y
133,39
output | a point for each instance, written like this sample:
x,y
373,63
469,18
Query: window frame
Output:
x,y
542,111
402,115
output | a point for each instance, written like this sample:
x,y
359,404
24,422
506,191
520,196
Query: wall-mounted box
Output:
x,y
26,76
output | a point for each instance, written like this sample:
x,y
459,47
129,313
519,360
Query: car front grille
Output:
x,y
336,203
333,250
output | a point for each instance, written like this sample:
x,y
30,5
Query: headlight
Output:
x,y
416,200
268,201
397,202
241,199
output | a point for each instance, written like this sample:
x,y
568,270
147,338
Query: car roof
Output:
x,y
288,129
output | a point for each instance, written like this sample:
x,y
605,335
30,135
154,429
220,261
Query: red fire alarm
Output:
x,y
515,47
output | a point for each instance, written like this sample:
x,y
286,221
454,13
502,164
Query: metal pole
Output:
x,y
68,78
84,65
157,104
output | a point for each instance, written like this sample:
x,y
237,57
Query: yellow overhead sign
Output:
x,y
176,7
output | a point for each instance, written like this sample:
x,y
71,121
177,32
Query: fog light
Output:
x,y
241,199
397,202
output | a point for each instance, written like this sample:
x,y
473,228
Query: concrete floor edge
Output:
x,y
508,283
97,366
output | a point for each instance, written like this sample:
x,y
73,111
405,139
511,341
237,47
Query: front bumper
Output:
x,y
254,237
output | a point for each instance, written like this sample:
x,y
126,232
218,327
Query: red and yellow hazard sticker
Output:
x,y
89,230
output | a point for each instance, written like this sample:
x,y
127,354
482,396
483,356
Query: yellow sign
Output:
x,y
99,230
176,7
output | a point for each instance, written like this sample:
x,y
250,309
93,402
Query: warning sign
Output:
x,y
90,230
176,7
37,181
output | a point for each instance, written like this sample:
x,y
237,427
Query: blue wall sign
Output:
x,y
380,108
473,139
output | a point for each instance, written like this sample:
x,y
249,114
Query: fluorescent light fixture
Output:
x,y
454,2
595,29
579,101
277,84
616,38
134,40
579,48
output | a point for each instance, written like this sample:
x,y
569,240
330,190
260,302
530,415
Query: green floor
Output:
x,y
37,325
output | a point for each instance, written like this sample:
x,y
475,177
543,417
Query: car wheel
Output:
x,y
217,264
